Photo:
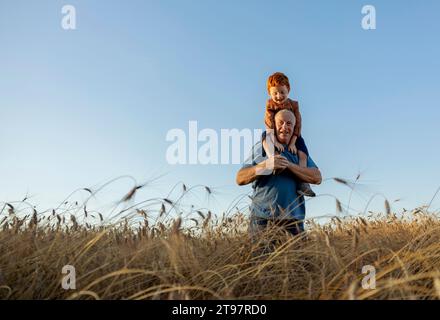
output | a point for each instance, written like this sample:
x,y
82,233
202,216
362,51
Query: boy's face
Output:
x,y
279,94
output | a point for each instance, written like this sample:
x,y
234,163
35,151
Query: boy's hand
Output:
x,y
278,146
293,149
292,145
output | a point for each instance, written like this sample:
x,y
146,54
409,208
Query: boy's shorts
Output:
x,y
300,144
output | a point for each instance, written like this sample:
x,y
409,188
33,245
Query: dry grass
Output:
x,y
221,262
199,257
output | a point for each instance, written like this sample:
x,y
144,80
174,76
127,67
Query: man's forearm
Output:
x,y
309,175
250,174
246,175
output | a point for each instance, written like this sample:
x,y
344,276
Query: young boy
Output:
x,y
278,87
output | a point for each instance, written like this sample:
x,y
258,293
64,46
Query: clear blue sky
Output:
x,y
81,107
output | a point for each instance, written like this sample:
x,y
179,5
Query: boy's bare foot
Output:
x,y
266,148
304,189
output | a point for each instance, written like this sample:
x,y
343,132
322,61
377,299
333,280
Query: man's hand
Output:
x,y
277,162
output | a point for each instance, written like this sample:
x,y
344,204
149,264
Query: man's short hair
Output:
x,y
285,111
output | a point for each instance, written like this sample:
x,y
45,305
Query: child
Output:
x,y
278,87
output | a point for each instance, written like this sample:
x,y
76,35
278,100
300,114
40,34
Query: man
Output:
x,y
275,181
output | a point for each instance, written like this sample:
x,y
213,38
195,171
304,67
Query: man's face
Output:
x,y
284,124
279,94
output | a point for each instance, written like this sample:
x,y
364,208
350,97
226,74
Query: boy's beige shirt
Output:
x,y
272,108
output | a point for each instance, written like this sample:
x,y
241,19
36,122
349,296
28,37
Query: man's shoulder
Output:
x,y
256,154
257,148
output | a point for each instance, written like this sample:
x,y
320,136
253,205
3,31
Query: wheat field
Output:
x,y
203,256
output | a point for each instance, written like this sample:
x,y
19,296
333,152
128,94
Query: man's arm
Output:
x,y
250,174
247,175
309,175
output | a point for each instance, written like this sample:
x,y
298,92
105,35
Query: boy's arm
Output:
x,y
292,144
269,116
298,119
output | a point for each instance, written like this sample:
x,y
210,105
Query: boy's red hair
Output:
x,y
278,79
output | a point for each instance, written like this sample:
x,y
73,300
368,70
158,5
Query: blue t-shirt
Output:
x,y
275,195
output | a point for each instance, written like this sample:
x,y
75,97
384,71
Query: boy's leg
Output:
x,y
304,188
302,159
268,143
266,147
